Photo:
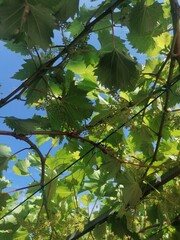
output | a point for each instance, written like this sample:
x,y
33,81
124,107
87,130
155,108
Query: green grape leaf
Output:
x,y
19,47
63,191
87,85
100,231
70,110
3,197
26,126
144,19
75,28
152,65
4,182
61,158
10,18
5,234
155,213
28,69
111,167
21,235
47,3
142,137
37,90
78,65
117,71
144,44
120,227
35,21
5,153
42,122
175,95
107,40
90,55
21,167
39,26
11,223
21,126
67,9
131,191
76,177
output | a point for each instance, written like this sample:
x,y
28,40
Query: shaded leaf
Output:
x,y
143,18
28,69
100,231
131,191
35,20
19,47
155,214
117,71
21,126
120,228
70,110
106,40
39,26
37,90
10,18
67,9
47,3
142,137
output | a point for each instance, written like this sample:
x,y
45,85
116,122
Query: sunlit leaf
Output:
x,y
63,191
5,153
61,158
21,167
20,235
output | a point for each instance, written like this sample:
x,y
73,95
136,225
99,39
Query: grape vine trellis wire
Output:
x,y
163,90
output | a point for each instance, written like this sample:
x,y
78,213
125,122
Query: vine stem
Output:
x,y
112,27
22,188
105,149
165,111
33,146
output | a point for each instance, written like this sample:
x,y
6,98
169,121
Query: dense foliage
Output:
x,y
103,80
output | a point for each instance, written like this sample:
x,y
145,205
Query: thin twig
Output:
x,y
22,188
